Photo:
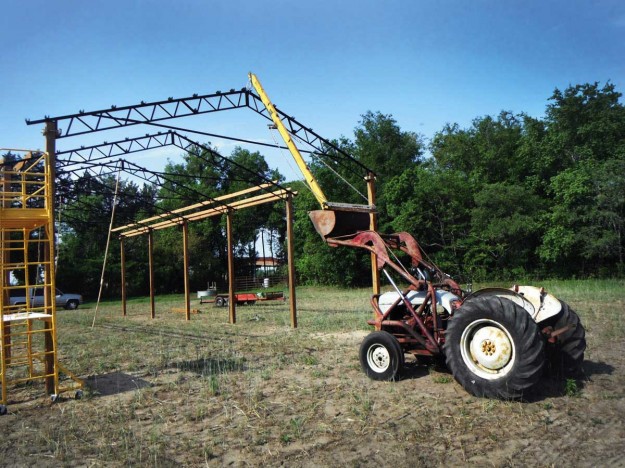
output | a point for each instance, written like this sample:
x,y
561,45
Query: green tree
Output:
x,y
584,149
383,147
505,230
85,216
433,204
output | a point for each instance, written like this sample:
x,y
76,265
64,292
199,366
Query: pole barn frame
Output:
x,y
180,217
218,205
157,113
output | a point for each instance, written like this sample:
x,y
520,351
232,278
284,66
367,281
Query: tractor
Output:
x,y
495,341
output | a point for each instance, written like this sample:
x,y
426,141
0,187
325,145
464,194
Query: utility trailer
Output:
x,y
222,300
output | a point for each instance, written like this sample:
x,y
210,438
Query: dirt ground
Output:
x,y
261,393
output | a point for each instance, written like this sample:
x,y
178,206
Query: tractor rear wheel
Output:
x,y
494,348
567,355
381,356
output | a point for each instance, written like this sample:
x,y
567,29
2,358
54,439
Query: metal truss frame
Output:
x,y
151,113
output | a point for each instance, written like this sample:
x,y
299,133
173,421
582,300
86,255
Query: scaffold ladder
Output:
x,y
28,336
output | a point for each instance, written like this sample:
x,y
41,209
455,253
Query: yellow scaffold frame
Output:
x,y
28,338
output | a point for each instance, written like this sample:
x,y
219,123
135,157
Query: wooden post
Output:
x,y
232,314
185,255
291,265
123,270
373,226
50,132
151,266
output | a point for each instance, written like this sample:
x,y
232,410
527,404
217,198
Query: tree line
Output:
x,y
508,197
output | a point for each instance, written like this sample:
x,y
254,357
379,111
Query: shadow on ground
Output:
x,y
553,386
115,383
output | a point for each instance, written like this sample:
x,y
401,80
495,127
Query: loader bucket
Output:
x,y
337,223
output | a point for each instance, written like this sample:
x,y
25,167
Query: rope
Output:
x,y
318,158
287,159
340,177
400,263
108,242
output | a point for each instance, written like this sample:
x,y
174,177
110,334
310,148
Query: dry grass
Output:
x,y
166,391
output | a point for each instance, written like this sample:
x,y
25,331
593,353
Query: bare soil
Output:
x,y
166,392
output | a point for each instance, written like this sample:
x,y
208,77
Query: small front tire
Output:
x,y
381,356
71,305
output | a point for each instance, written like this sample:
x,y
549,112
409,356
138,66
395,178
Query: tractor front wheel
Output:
x,y
381,356
494,348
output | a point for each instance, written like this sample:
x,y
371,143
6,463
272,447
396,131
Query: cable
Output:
x,y
288,160
108,241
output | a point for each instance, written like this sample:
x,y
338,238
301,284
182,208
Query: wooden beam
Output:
x,y
185,255
231,300
237,205
290,259
151,267
50,132
373,226
123,271
196,205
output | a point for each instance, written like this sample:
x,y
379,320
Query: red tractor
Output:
x,y
496,342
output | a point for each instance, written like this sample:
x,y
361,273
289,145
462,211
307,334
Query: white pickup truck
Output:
x,y
67,301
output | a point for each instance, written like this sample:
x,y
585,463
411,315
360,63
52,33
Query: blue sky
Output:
x,y
325,62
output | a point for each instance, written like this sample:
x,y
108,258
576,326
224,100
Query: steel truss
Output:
x,y
99,158
151,113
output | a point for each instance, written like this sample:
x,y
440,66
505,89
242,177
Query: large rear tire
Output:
x,y
381,356
494,348
567,354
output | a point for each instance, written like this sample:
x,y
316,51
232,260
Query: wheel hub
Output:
x,y
378,358
491,348
488,347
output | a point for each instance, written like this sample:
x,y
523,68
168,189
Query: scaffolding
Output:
x,y
28,338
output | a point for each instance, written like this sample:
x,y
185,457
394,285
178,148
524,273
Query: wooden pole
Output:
x,y
123,270
151,266
373,226
50,132
185,255
291,265
232,314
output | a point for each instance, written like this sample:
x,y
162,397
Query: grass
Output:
x,y
259,392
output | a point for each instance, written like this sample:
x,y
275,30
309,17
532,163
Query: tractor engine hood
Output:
x,y
416,298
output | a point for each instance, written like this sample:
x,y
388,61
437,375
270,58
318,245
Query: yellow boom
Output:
x,y
284,133
334,219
